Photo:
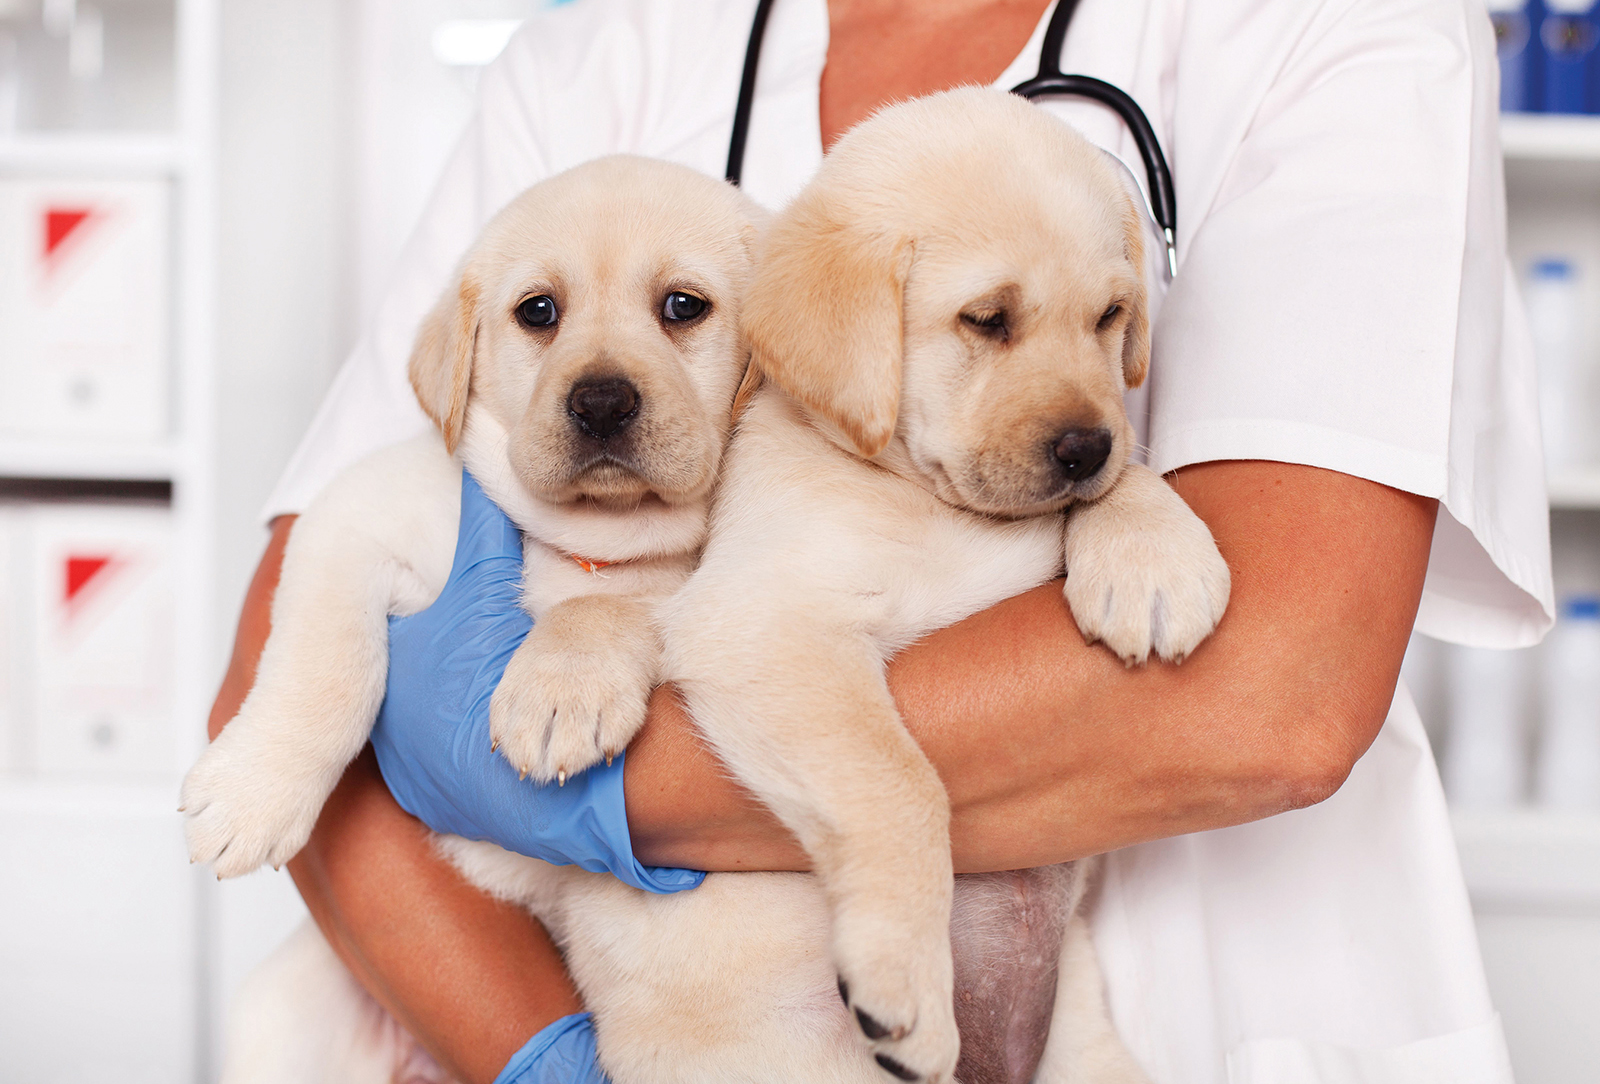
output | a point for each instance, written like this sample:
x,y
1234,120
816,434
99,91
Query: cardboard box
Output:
x,y
84,308
102,634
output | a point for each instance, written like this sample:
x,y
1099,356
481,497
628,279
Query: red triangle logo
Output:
x,y
80,570
59,224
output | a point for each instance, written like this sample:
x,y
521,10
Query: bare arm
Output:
x,y
1050,749
490,976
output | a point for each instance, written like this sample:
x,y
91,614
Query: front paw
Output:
x,y
1143,572
240,811
563,706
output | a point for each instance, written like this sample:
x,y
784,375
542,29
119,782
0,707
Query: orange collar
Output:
x,y
588,565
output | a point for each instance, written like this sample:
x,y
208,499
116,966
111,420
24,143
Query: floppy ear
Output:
x,y
441,362
1136,338
823,315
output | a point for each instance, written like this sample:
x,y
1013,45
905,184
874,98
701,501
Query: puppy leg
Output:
x,y
576,690
256,791
1143,572
1084,1047
801,713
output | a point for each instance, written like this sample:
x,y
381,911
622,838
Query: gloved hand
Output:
x,y
432,734
562,1053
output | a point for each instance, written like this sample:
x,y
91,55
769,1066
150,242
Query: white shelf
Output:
x,y
33,457
1550,137
1527,858
1575,488
90,153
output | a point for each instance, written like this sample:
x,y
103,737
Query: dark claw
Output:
x,y
894,1068
844,993
870,1027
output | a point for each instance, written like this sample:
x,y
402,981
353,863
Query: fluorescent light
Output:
x,y
472,43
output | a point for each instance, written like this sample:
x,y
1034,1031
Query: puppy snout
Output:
x,y
1082,452
603,407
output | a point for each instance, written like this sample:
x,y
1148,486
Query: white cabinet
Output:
x,y
1534,875
107,207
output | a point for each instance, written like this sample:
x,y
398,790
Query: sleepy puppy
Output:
x,y
946,319
583,368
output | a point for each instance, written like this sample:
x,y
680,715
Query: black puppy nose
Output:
x,y
603,407
1082,452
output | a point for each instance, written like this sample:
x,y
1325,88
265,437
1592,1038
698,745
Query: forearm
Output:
x,y
1051,749
470,977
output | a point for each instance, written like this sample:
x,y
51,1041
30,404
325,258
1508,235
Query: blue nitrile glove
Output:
x,y
432,734
562,1053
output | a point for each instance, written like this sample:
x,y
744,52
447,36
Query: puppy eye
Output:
x,y
680,306
989,324
1109,315
537,312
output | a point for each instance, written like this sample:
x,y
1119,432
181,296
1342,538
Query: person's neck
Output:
x,y
882,51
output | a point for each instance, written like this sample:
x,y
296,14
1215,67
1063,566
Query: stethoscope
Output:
x,y
1164,203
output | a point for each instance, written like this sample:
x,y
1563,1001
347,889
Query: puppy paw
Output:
x,y
897,988
575,692
240,811
1143,573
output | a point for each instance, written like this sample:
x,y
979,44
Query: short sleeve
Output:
x,y
371,404
1344,299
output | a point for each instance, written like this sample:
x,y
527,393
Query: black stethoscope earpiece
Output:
x,y
1050,80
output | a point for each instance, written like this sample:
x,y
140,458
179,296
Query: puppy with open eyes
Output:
x,y
583,367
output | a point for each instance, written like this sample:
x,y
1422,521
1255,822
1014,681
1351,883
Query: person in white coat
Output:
x,y
1341,382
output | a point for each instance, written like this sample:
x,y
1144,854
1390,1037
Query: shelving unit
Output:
x,y
106,937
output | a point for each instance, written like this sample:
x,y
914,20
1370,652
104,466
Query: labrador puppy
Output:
x,y
946,319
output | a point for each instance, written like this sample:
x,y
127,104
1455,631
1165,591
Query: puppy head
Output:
x,y
596,321
965,274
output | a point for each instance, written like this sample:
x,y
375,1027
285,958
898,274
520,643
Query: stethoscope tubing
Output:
x,y
1050,80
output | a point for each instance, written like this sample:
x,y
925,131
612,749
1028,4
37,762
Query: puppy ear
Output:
x,y
1136,338
824,315
441,363
749,384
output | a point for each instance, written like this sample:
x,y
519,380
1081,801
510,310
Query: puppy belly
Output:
x,y
1006,931
731,982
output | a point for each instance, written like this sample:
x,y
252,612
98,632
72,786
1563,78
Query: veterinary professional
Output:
x,y
1342,382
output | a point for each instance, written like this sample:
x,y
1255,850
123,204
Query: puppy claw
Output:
x,y
561,777
609,757
894,1068
494,745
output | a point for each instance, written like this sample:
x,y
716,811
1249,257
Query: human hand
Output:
x,y
432,734
563,1053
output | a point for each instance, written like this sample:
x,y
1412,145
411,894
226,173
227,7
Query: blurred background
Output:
x,y
199,202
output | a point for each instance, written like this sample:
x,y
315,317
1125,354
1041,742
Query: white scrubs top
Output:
x,y
1343,300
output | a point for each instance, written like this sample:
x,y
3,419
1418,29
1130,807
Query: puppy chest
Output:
x,y
959,566
551,576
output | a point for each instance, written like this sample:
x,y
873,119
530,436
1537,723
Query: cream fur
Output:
x,y
820,565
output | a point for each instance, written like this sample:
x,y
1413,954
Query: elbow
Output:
x,y
1308,757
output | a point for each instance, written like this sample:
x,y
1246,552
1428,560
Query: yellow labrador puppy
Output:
x,y
947,319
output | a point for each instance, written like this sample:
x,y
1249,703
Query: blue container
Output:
x,y
1517,45
1568,34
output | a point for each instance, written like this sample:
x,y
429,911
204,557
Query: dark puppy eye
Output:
x,y
680,306
537,312
992,325
1109,315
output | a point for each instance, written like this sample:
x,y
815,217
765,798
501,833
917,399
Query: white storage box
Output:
x,y
103,641
84,308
